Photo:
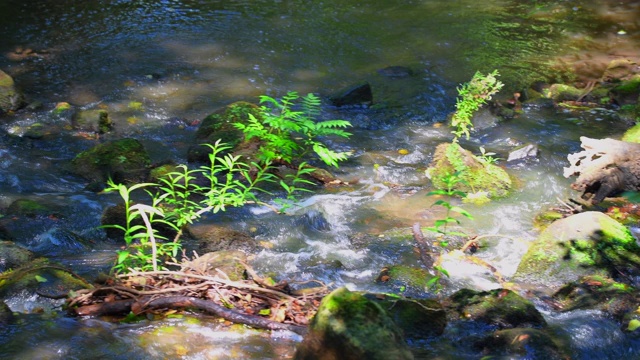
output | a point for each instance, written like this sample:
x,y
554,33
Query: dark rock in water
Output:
x,y
97,121
527,151
58,241
396,71
10,98
314,220
38,284
124,161
31,208
597,292
357,95
500,307
348,326
419,319
6,315
13,256
521,344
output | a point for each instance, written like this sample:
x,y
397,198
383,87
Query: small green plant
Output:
x,y
435,282
177,201
287,129
440,226
487,157
471,96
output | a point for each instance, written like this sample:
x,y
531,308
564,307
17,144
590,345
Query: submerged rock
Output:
x,y
13,256
10,98
124,160
38,284
590,243
521,344
501,308
213,238
524,152
348,326
97,121
475,176
357,95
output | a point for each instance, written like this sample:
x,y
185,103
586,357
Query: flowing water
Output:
x,y
184,59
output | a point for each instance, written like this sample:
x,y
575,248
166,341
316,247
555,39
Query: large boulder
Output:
x,y
476,176
124,160
590,243
348,326
10,98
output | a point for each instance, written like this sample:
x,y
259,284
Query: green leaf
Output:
x,y
264,312
40,279
633,325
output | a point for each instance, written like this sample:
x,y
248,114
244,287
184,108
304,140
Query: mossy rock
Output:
x,y
349,326
632,135
414,278
219,126
627,92
596,292
42,278
31,208
213,238
521,343
124,161
590,243
563,92
97,121
6,315
13,256
161,171
10,98
228,261
501,308
476,176
419,319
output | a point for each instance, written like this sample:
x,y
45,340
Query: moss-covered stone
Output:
x,y
219,126
10,98
124,160
501,308
595,292
349,326
13,256
418,318
521,344
476,176
409,276
589,243
6,315
40,278
97,121
29,208
627,92
633,134
563,92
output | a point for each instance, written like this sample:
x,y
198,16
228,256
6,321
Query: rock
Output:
x,y
475,175
6,315
413,278
521,344
10,98
32,208
632,135
348,326
501,308
597,292
38,284
419,319
627,92
59,241
216,238
563,92
527,151
358,95
219,126
13,256
124,161
589,243
620,70
396,71
228,261
97,121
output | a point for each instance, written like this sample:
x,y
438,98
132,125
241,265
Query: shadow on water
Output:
x,y
182,59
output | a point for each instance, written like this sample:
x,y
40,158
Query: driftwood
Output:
x,y
605,168
255,302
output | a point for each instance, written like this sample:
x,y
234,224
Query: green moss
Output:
x,y
410,276
633,134
628,87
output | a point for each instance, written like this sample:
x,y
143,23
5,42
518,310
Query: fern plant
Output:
x,y
287,129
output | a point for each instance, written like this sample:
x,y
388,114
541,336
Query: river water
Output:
x,y
184,59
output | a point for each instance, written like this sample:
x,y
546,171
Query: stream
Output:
x,y
183,59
